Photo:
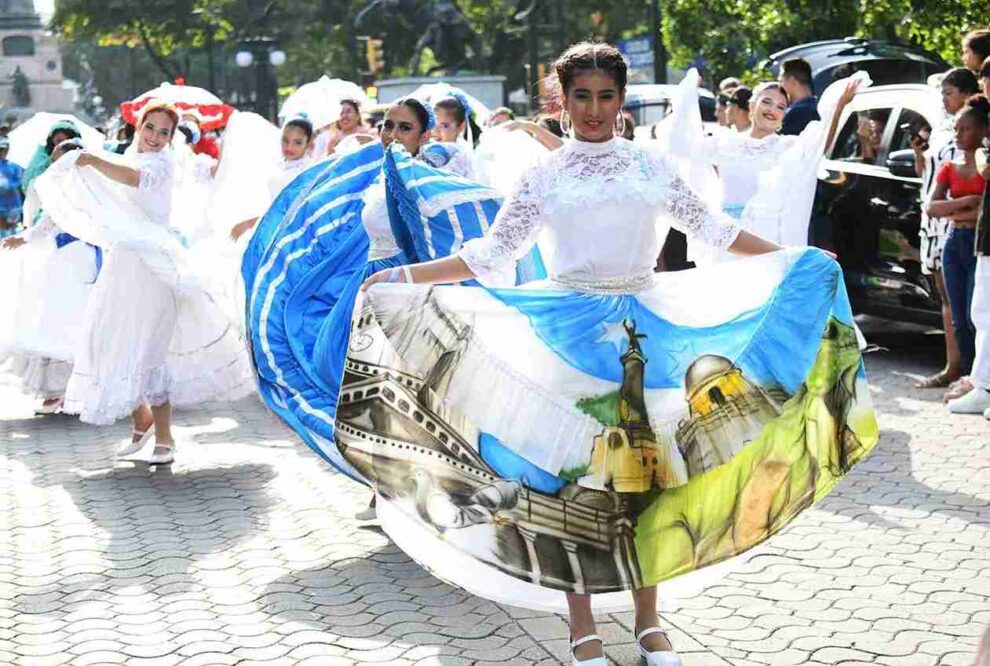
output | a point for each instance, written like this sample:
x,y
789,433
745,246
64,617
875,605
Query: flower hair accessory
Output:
x,y
463,101
431,116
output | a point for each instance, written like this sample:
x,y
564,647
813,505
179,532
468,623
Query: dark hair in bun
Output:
x,y
978,108
302,124
962,80
424,115
70,132
456,107
588,57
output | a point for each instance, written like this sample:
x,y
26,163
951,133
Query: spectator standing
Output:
x,y
977,400
975,49
10,192
737,109
957,85
725,88
958,194
795,79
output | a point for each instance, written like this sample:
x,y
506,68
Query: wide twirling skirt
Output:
x,y
524,443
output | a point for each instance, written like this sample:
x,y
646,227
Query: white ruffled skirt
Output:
x,y
42,311
151,332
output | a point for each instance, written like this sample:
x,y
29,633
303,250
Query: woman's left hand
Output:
x,y
393,275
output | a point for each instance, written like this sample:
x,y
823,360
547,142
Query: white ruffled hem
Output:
x,y
40,376
100,404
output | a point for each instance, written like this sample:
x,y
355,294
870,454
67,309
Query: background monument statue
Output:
x,y
20,88
448,35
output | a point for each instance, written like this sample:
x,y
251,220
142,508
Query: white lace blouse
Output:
x,y
374,217
599,209
154,190
740,159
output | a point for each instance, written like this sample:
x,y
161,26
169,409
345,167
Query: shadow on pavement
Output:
x,y
886,479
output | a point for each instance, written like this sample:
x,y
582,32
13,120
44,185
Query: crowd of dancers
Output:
x,y
461,310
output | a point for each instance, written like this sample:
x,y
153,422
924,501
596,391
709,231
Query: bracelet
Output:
x,y
406,273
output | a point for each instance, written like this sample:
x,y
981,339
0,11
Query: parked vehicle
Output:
x,y
835,59
868,208
651,102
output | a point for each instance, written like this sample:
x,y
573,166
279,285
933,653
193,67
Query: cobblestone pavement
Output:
x,y
245,551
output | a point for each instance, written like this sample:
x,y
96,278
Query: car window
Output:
x,y
881,71
860,139
909,123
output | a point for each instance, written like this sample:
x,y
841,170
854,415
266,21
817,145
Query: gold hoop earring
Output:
x,y
619,126
565,122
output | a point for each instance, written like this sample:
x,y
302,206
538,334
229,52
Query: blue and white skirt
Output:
x,y
528,442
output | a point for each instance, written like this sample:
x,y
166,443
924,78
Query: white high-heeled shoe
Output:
x,y
135,445
594,661
659,657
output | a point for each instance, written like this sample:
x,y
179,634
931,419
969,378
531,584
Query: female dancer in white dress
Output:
x,y
49,303
149,339
456,125
747,161
297,137
593,78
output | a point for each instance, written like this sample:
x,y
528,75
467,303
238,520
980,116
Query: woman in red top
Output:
x,y
958,191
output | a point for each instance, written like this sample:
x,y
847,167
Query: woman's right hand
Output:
x,y
85,159
240,228
519,126
13,242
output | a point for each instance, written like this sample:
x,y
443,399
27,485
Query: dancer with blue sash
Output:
x,y
573,443
43,307
151,335
325,233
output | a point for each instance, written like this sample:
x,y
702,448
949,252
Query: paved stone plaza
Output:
x,y
245,551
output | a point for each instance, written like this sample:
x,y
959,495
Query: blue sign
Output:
x,y
639,52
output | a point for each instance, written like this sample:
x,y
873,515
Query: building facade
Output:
x,y
30,64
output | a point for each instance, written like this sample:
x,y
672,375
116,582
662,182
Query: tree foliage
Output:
x,y
172,37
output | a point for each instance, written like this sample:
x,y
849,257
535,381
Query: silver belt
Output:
x,y
627,284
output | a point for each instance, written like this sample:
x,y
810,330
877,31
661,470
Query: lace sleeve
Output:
x,y
492,258
203,169
690,214
154,172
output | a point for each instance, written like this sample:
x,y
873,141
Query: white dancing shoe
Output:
x,y
976,401
135,445
594,661
367,513
163,454
986,415
658,658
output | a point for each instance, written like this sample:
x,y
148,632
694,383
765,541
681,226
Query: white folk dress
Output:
x,y
149,334
43,306
611,427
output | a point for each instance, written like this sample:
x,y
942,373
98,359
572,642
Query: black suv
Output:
x,y
835,59
868,208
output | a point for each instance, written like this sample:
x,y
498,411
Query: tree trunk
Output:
x,y
163,63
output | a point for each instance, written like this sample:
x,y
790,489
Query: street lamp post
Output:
x,y
263,53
